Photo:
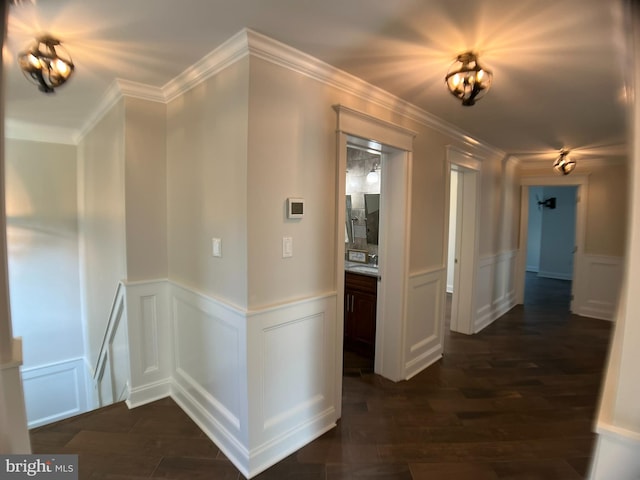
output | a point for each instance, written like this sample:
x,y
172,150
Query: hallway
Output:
x,y
518,400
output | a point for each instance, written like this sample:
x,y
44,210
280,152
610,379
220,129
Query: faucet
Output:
x,y
373,259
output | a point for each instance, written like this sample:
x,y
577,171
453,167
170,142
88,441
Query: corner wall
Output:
x,y
101,201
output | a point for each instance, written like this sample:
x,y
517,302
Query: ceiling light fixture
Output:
x,y
467,80
46,63
564,164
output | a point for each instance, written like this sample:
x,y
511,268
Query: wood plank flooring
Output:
x,y
516,401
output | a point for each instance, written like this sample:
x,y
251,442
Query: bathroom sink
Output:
x,y
365,269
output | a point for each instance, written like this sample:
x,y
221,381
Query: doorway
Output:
x,y
363,191
395,145
580,184
462,239
550,246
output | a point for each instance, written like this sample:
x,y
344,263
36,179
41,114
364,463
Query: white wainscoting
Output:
x,y
55,391
292,386
260,384
149,336
425,320
616,454
495,287
210,369
599,291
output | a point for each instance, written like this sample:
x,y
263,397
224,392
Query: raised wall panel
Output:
x,y
423,337
149,331
293,396
601,288
293,350
495,290
484,292
207,363
55,391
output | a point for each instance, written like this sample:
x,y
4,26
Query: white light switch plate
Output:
x,y
216,245
287,247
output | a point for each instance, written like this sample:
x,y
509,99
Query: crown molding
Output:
x,y
234,49
18,130
140,90
278,53
248,42
110,98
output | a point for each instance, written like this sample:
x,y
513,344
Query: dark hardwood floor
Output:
x,y
516,401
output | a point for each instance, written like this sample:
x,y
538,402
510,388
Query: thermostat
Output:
x,y
295,207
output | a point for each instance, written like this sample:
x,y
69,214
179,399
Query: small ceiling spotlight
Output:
x,y
564,164
467,80
46,63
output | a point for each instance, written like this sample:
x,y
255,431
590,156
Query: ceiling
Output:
x,y
558,65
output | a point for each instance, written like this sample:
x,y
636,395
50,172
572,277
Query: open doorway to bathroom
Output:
x,y
362,213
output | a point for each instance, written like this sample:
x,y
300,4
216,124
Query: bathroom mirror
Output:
x,y
372,214
348,227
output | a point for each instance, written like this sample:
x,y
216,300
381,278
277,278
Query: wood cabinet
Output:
x,y
360,298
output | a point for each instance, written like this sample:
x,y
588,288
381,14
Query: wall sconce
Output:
x,y
564,164
548,203
46,63
467,80
373,176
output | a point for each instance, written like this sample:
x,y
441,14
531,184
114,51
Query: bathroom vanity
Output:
x,y
360,298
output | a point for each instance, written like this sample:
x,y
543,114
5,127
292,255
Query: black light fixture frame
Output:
x,y
46,63
564,164
548,203
473,80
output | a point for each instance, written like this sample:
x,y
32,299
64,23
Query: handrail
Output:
x,y
117,307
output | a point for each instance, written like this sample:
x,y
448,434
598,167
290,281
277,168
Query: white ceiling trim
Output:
x,y
225,55
141,91
110,98
288,57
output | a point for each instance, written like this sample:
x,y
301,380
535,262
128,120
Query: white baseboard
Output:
x,y
149,393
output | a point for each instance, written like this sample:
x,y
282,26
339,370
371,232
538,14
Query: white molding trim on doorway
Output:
x,y
463,305
580,181
397,146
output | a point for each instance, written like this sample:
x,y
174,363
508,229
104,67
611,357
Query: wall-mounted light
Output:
x,y
564,164
467,80
548,203
46,63
373,176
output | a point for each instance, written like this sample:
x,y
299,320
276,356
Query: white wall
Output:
x,y
101,201
42,234
451,250
618,426
145,190
534,232
558,233
207,185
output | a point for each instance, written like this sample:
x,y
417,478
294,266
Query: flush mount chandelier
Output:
x,y
46,63
467,80
564,164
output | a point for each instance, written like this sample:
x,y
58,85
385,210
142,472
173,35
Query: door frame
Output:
x,y
582,183
463,304
394,232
